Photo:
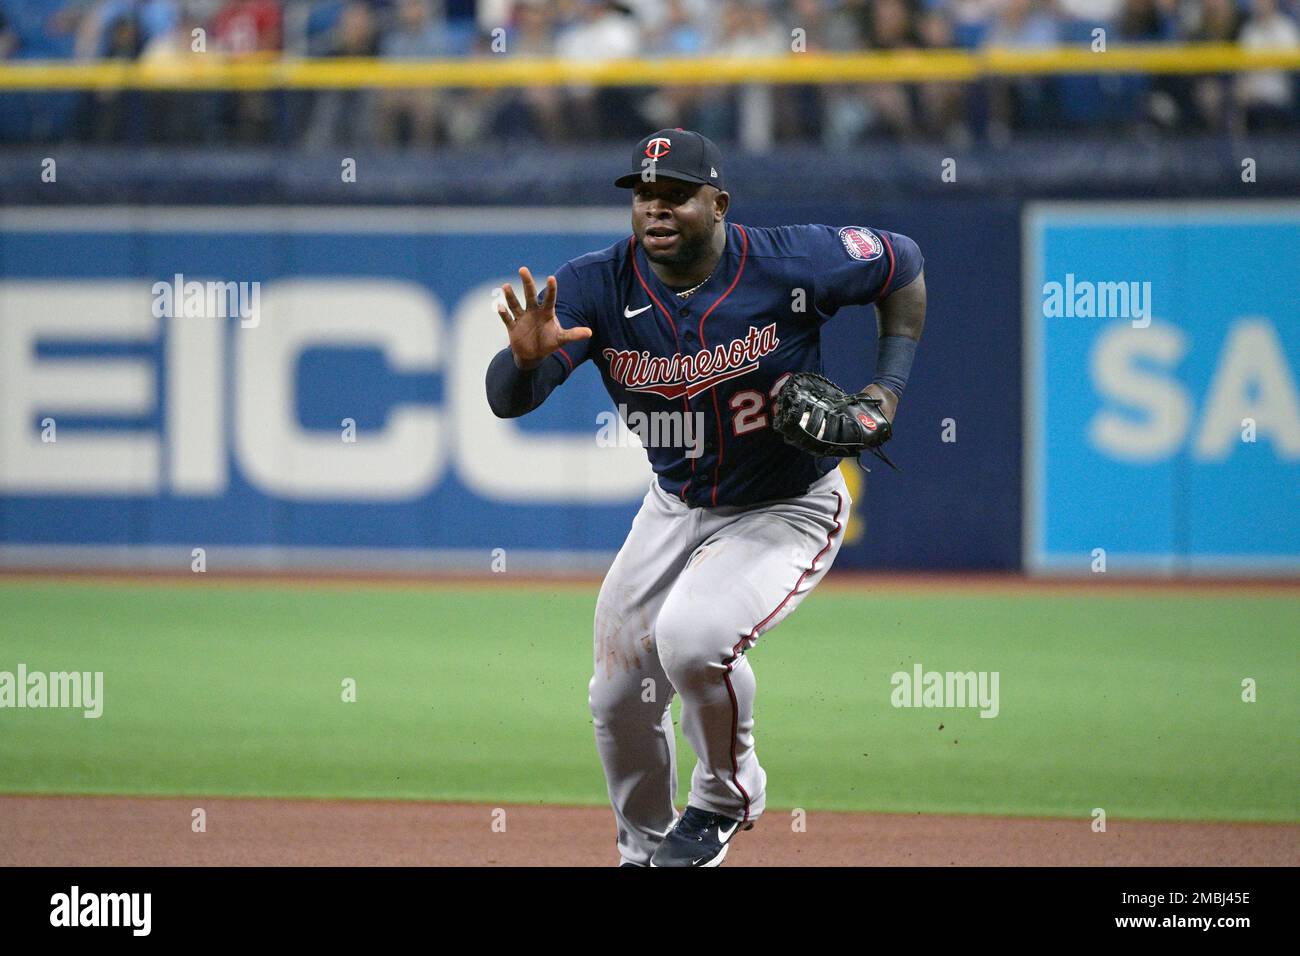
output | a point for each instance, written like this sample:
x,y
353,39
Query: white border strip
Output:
x,y
1120,564
352,220
1031,219
1033,484
178,558
1092,211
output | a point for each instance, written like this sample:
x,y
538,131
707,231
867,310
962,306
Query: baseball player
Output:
x,y
694,315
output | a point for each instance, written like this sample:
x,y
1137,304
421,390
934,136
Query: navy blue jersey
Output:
x,y
725,351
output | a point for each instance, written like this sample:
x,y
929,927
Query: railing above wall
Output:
x,y
211,71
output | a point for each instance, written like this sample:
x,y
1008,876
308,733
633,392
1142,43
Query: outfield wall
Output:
x,y
171,434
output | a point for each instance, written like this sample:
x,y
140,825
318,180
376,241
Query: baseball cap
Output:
x,y
676,154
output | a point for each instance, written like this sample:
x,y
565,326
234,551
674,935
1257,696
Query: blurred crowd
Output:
x,y
757,115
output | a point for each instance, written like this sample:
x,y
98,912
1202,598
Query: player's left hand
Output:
x,y
888,400
816,415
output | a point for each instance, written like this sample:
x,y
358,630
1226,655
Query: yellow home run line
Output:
x,y
210,71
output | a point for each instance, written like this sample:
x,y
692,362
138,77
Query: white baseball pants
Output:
x,y
691,590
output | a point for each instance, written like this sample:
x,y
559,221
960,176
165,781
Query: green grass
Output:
x,y
1129,703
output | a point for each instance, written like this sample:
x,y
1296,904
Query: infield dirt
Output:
x,y
131,831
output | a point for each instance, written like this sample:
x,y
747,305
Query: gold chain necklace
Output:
x,y
687,294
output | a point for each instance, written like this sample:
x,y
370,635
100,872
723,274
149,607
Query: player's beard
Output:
x,y
691,250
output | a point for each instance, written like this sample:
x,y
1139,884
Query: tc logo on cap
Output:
x,y
658,147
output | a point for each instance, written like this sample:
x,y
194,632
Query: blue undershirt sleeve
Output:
x,y
512,392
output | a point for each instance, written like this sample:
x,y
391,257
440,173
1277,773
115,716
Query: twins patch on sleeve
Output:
x,y
861,243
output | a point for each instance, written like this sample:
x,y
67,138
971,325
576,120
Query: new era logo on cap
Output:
x,y
676,154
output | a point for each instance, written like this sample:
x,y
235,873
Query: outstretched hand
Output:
x,y
534,331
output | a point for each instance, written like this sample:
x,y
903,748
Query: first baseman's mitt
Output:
x,y
817,416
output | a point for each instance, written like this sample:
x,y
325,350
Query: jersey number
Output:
x,y
751,407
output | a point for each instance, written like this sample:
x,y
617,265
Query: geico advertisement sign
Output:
x,y
229,399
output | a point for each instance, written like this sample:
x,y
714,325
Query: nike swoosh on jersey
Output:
x,y
628,313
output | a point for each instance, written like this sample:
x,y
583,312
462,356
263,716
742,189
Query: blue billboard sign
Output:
x,y
1162,415
292,386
